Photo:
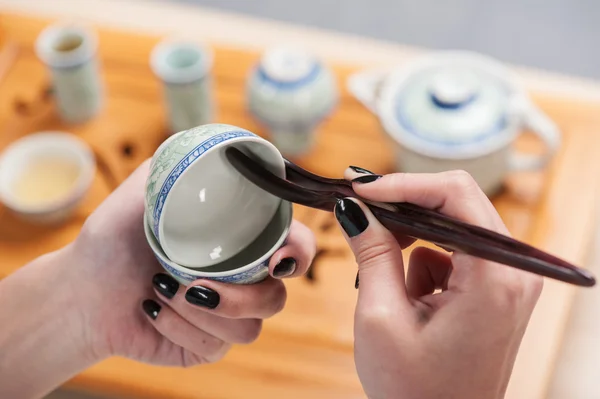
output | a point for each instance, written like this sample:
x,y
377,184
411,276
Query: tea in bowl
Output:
x,y
249,266
201,211
44,176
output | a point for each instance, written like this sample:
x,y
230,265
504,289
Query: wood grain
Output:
x,y
306,351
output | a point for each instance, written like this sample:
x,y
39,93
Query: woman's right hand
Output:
x,y
412,341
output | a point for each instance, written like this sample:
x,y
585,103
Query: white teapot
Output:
x,y
456,110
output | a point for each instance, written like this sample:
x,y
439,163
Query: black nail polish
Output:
x,y
356,282
361,170
366,179
202,296
285,267
352,219
165,284
151,308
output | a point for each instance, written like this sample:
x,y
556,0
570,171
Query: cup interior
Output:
x,y
67,41
212,212
262,248
180,61
183,57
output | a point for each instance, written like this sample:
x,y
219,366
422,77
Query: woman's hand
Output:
x,y
413,341
105,294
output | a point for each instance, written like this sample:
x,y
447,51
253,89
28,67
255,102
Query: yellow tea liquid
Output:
x,y
46,180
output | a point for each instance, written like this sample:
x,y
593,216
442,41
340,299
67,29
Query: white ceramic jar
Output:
x,y
456,110
184,67
290,93
70,53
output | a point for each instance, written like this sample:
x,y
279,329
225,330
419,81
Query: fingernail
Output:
x,y
352,219
356,282
202,296
366,179
151,308
285,267
361,170
165,284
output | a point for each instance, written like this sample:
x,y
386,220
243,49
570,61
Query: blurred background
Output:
x,y
553,35
557,35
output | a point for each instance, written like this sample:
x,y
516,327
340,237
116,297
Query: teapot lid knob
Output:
x,y
452,90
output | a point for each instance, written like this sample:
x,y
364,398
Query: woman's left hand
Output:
x,y
138,311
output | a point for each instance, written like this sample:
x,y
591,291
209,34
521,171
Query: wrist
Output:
x,y
47,340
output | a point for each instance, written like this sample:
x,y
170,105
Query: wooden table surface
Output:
x,y
306,351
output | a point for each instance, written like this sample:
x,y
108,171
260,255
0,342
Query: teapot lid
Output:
x,y
452,104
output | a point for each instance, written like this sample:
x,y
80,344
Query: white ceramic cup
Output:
x,y
201,210
290,93
249,266
488,158
184,69
23,154
69,51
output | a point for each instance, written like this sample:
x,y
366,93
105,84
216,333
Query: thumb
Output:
x,y
379,258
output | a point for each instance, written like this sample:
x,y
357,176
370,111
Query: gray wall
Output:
x,y
558,35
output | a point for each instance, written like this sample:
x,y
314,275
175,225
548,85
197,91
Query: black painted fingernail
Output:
x,y
366,179
361,170
356,282
151,308
352,219
202,296
165,284
285,267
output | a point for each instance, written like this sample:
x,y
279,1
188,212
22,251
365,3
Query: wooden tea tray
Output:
x,y
306,351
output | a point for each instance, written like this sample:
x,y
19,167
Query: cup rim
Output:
x,y
231,141
85,159
284,206
45,50
168,74
394,81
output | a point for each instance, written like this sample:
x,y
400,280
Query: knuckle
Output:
x,y
249,332
461,181
279,298
213,349
369,253
511,297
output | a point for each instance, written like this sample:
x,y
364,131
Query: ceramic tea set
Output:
x,y
216,204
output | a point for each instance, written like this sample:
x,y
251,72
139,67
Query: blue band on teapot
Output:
x,y
501,124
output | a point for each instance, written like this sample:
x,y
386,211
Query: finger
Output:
x,y
353,173
234,301
378,255
453,193
296,256
172,326
428,270
237,331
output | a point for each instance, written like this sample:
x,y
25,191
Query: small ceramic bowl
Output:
x,y
247,267
44,176
201,210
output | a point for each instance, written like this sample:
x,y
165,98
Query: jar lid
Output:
x,y
452,104
288,65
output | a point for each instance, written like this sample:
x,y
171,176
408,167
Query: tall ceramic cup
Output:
x,y
457,110
290,93
184,69
69,51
